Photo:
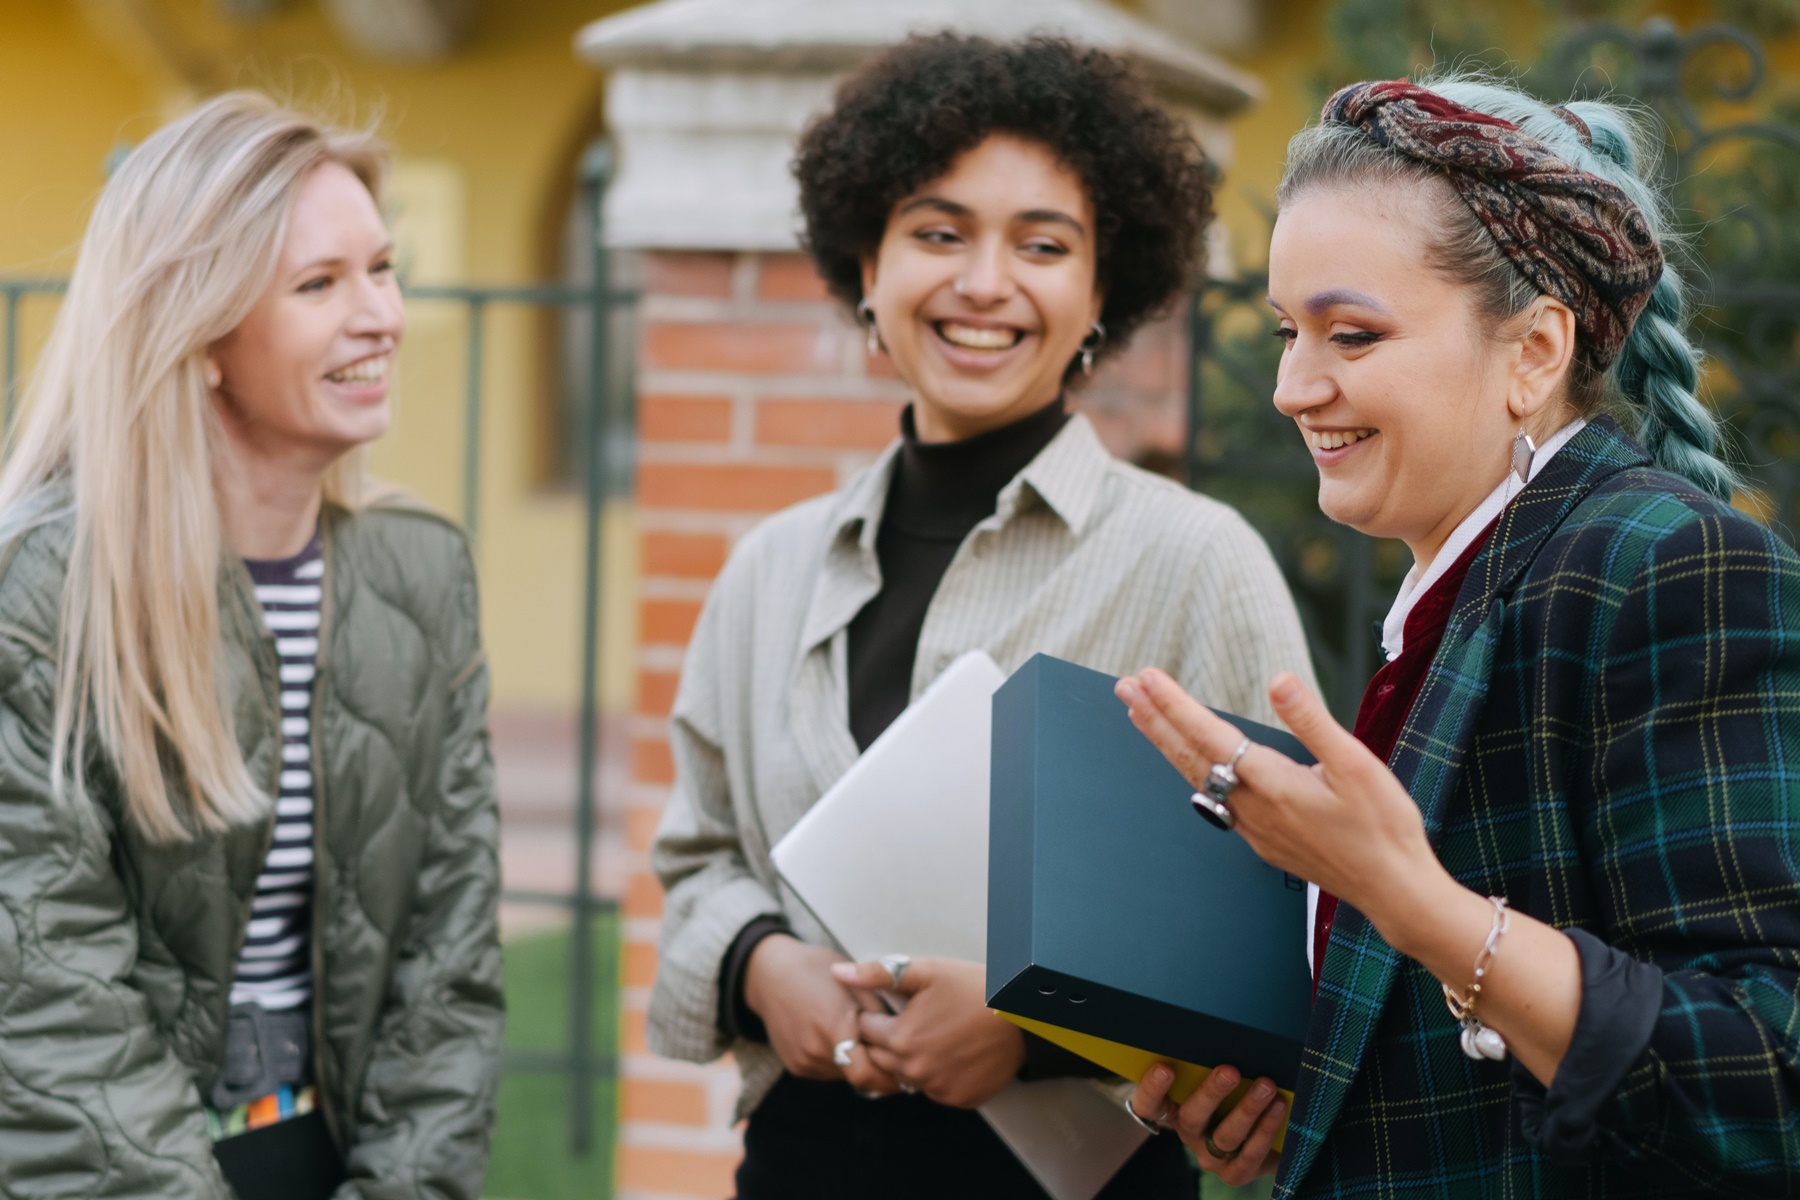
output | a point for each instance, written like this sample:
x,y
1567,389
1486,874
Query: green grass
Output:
x,y
531,1158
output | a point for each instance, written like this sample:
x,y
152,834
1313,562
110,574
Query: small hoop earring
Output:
x,y
1523,451
1095,339
871,332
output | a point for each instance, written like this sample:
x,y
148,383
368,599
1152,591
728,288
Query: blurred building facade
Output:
x,y
488,109
753,389
489,106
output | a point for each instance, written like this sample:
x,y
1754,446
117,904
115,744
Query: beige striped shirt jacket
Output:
x,y
1086,558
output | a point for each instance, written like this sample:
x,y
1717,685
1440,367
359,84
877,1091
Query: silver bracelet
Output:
x,y
1479,1041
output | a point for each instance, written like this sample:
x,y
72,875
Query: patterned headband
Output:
x,y
1573,234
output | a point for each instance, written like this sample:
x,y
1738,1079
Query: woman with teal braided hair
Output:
x,y
1556,943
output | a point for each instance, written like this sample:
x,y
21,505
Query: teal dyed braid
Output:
x,y
1658,372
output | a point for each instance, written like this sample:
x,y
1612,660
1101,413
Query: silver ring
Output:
x,y
1224,775
896,965
1153,1126
1213,810
840,1053
908,1088
1212,1148
1221,781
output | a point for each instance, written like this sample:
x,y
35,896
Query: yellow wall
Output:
x,y
484,139
1287,61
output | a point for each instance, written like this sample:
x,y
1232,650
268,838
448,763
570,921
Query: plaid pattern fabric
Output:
x,y
1609,736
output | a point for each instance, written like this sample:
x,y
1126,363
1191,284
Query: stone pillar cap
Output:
x,y
784,36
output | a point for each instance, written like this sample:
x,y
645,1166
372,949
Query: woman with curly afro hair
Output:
x,y
999,216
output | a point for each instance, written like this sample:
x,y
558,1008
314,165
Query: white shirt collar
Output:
x,y
1416,584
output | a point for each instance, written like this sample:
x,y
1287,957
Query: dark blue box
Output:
x,y
1114,908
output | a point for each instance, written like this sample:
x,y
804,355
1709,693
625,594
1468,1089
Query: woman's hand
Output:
x,y
808,1013
1346,824
946,1043
1241,1146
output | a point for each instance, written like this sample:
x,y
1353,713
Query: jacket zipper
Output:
x,y
326,583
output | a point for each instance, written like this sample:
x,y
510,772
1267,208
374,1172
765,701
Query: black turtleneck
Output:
x,y
938,493
808,1130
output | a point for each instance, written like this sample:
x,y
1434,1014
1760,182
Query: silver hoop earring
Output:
x,y
1523,451
871,332
1095,339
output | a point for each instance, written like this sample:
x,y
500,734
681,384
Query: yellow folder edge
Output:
x,y
1133,1064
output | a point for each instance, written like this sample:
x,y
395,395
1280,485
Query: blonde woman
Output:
x,y
247,913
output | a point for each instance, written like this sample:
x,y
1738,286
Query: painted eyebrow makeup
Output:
x,y
1330,298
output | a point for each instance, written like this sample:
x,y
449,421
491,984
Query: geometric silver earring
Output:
x,y
871,332
1093,341
1523,451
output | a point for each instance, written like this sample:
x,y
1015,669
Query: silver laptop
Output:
x,y
894,859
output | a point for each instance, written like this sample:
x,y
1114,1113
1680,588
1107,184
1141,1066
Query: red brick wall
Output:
x,y
754,391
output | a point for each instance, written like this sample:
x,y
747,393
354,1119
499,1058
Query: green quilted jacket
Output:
x,y
116,956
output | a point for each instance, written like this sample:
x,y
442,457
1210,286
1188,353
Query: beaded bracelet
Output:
x,y
1478,1041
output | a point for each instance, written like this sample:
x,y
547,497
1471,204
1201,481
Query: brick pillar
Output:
x,y
754,393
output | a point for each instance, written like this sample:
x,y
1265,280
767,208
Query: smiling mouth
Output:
x,y
368,370
979,337
1336,439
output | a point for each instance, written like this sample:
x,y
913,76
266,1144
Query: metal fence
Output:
x,y
12,294
607,428
1736,187
607,419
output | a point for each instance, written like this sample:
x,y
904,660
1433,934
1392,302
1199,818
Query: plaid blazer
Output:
x,y
1610,737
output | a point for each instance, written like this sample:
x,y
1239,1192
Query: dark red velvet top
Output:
x,y
1391,693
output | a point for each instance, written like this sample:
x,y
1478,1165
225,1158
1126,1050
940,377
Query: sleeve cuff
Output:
x,y
697,931
736,1020
1621,1000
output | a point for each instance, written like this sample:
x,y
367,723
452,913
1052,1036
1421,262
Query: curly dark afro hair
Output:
x,y
902,120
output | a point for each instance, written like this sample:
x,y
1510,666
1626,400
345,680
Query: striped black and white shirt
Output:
x,y
275,968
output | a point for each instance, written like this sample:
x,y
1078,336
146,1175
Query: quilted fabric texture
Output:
x,y
1610,736
116,957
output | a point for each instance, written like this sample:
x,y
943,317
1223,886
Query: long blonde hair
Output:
x,y
121,429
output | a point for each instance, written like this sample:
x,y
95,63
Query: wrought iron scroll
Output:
x,y
1735,180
